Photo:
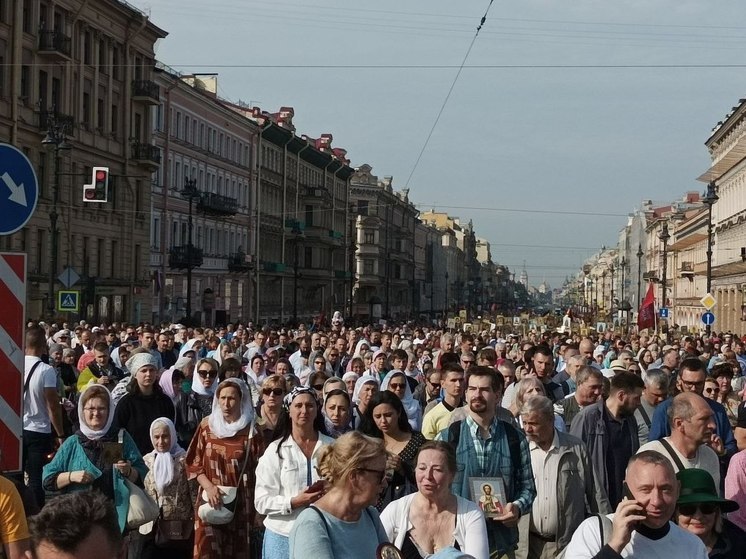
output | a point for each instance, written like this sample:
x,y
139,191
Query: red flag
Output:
x,y
646,314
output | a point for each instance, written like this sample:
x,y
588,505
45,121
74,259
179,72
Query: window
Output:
x,y
362,207
41,256
114,119
102,66
86,110
138,264
309,216
87,48
115,62
177,127
56,88
25,82
42,173
114,253
100,257
369,237
100,115
27,26
308,257
43,92
368,267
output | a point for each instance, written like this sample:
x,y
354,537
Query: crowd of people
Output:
x,y
331,441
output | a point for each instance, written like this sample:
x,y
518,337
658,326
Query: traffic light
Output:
x,y
98,189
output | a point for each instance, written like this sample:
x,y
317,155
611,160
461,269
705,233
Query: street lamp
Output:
x,y
190,193
611,304
624,265
664,237
639,271
603,289
297,236
56,138
586,271
709,199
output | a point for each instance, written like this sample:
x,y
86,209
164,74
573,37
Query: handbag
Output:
x,y
142,509
173,533
229,497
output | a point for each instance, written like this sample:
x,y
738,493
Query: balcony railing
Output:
x,y
240,262
146,153
54,43
687,267
146,91
217,204
65,123
185,257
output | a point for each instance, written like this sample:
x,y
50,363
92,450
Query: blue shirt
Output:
x,y
660,427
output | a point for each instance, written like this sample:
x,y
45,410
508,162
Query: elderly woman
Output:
x,y
287,480
422,523
377,366
343,523
144,402
350,378
525,389
85,460
700,510
224,452
166,482
385,418
396,382
365,388
273,391
336,411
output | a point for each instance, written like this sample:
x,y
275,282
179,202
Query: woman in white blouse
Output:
x,y
433,518
286,477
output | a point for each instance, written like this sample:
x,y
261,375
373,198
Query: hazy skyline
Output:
x,y
583,107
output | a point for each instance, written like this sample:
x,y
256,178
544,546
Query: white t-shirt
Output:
x,y
678,544
35,414
705,459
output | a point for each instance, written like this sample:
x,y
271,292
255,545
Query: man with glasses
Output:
x,y
691,378
467,360
428,391
692,427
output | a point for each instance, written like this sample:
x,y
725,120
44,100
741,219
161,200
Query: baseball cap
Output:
x,y
741,416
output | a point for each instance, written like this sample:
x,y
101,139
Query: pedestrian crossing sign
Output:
x,y
68,301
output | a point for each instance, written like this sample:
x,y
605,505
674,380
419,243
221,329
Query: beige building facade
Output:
x,y
83,71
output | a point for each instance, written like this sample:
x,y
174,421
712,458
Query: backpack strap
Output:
x,y
645,416
30,374
672,454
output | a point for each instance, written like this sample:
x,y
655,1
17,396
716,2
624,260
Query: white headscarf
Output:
x,y
101,394
411,406
163,462
197,386
363,380
218,425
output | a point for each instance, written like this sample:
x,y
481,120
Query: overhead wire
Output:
x,y
448,95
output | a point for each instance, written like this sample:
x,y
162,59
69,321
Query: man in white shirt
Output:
x,y
641,526
566,492
41,411
692,428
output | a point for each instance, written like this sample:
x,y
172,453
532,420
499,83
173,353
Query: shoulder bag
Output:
x,y
173,533
142,509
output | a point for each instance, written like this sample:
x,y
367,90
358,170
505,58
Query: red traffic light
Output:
x,y
100,175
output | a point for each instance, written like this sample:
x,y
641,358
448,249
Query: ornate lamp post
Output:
x,y
664,237
709,199
639,271
612,270
56,138
603,289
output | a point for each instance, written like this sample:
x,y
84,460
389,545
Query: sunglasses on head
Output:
x,y
273,391
204,373
705,508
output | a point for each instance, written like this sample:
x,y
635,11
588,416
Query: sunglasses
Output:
x,y
273,391
381,473
435,384
204,373
705,508
318,386
396,386
712,390
319,362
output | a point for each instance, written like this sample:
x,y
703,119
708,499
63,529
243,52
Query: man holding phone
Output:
x,y
640,526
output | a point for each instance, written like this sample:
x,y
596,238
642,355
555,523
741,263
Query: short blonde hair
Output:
x,y
350,452
275,381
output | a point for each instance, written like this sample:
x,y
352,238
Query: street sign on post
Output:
x,y
708,319
68,277
12,321
68,301
19,189
708,301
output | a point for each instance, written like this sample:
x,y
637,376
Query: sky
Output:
x,y
566,115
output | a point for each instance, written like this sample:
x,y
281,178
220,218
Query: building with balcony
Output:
x,y
302,237
206,157
385,223
727,147
688,272
68,68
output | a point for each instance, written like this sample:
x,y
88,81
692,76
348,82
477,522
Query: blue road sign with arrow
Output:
x,y
708,318
19,189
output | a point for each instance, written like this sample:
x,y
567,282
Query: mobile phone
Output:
x,y
627,493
